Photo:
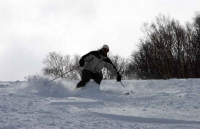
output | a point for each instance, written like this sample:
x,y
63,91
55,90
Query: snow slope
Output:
x,y
152,104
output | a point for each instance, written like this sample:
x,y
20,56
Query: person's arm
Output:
x,y
86,58
109,65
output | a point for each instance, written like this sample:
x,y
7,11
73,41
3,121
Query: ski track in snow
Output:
x,y
152,104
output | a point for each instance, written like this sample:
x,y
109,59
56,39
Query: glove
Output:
x,y
119,78
81,63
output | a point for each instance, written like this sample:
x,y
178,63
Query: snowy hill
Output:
x,y
151,104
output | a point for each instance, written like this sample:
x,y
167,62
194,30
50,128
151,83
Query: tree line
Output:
x,y
167,50
57,64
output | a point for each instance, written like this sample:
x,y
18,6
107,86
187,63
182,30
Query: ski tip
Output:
x,y
127,94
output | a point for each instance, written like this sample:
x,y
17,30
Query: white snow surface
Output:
x,y
151,104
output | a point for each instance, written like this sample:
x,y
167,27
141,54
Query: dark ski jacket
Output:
x,y
95,61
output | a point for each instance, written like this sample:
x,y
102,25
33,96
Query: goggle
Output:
x,y
106,50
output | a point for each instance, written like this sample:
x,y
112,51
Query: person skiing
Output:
x,y
93,63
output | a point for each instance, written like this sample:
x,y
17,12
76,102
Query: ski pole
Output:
x,y
62,75
124,88
122,84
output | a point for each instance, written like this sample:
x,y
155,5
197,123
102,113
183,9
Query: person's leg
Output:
x,y
97,77
86,75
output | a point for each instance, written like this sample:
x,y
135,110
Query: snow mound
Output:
x,y
37,85
60,88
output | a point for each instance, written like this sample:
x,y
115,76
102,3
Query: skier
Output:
x,y
93,63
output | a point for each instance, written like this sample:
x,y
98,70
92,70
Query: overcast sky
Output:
x,y
30,29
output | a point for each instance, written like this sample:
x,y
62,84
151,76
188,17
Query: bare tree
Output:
x,y
168,50
161,53
56,64
76,74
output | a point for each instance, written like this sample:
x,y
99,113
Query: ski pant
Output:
x,y
87,75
